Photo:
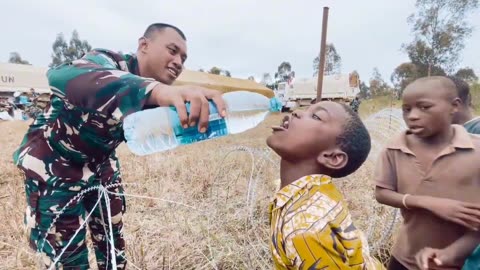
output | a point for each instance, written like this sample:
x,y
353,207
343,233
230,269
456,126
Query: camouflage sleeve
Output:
x,y
97,82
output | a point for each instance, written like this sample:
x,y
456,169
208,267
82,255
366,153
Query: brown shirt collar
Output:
x,y
461,140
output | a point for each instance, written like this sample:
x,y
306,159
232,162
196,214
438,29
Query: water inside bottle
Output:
x,y
241,121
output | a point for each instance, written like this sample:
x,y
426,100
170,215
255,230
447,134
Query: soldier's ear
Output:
x,y
143,45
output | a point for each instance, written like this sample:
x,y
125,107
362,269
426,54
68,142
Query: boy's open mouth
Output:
x,y
283,126
415,129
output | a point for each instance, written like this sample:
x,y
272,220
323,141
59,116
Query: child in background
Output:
x,y
464,115
311,227
472,124
431,173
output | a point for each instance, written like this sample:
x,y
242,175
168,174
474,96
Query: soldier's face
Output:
x,y
166,52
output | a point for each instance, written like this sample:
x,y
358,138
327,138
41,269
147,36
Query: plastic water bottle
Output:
x,y
159,129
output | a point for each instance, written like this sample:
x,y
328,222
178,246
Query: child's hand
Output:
x,y
463,213
437,257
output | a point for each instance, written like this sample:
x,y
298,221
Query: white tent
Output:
x,y
16,77
21,78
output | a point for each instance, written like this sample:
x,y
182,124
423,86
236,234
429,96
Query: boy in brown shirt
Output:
x,y
431,173
459,249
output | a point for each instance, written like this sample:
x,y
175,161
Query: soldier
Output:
x,y
33,95
355,104
71,145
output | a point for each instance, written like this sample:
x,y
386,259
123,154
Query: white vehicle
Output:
x,y
303,92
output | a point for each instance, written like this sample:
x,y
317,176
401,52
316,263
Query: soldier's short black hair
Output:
x,y
161,26
354,141
463,90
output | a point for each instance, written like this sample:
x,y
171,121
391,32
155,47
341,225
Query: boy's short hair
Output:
x,y
463,90
355,142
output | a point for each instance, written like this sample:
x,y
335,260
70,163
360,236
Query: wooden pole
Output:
x,y
321,64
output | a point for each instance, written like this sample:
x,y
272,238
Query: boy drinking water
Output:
x,y
431,173
311,227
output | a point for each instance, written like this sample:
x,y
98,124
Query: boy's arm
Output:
x,y
98,82
463,213
386,181
465,245
395,199
316,252
451,255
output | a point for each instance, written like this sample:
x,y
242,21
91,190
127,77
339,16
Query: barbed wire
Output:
x,y
258,158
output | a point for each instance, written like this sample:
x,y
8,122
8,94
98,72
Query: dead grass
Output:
x,y
475,91
371,106
225,231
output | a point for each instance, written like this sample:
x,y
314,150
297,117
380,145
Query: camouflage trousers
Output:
x,y
50,234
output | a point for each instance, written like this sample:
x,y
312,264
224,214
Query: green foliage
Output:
x,y
467,74
475,92
378,87
440,30
333,61
403,75
63,52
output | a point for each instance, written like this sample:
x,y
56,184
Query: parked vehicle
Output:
x,y
303,92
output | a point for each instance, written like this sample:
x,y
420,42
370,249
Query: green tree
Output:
x,y
419,54
215,70
467,74
220,71
403,75
266,79
333,61
440,28
283,72
15,58
364,90
378,86
63,52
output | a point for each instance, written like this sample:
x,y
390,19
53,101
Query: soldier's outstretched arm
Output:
x,y
97,82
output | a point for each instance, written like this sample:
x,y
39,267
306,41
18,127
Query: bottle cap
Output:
x,y
275,105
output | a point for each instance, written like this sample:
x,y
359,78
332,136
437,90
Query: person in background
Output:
x,y
70,147
472,125
431,173
16,97
355,104
464,115
33,95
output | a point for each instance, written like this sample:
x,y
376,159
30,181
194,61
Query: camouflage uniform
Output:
x,y
71,146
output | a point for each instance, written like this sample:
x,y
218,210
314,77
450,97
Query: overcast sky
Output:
x,y
247,37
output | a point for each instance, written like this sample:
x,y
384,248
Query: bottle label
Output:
x,y
217,127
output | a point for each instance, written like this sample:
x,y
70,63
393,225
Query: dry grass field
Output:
x,y
211,206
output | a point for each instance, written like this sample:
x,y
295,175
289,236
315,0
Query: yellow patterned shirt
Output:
x,y
311,228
